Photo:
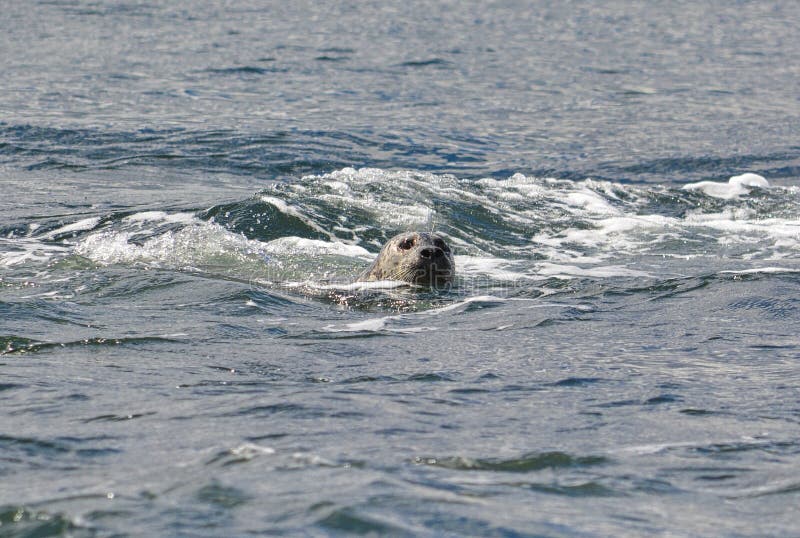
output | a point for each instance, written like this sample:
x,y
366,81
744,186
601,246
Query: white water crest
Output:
x,y
735,187
586,222
515,230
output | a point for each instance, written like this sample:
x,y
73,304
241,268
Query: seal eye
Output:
x,y
442,245
406,244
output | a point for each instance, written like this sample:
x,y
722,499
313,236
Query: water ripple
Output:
x,y
523,464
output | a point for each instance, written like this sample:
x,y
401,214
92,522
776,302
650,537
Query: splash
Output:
x,y
735,187
323,229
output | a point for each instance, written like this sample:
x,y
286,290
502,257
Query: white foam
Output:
x,y
487,299
572,271
377,325
290,210
384,324
161,216
314,247
766,270
518,185
111,247
79,226
55,294
734,188
395,214
556,228
494,268
399,199
370,325
608,236
358,286
105,246
14,252
591,202
305,458
655,448
249,451
404,200
279,204
748,230
193,245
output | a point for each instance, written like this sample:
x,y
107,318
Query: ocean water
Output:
x,y
190,188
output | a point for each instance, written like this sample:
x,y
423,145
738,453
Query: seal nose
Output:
x,y
430,252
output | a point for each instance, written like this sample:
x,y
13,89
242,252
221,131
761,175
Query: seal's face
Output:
x,y
416,257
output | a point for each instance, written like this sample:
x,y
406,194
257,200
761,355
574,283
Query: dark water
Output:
x,y
190,187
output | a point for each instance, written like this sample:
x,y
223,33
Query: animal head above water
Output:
x,y
419,258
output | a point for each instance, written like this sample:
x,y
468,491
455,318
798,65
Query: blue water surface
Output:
x,y
190,188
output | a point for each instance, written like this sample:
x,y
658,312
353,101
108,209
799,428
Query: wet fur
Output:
x,y
416,257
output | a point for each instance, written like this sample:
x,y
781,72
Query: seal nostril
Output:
x,y
426,253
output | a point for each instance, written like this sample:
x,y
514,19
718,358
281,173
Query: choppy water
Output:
x,y
190,188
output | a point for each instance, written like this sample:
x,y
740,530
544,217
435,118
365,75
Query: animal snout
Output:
x,y
431,252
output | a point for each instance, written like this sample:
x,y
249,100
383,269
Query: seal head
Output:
x,y
419,258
